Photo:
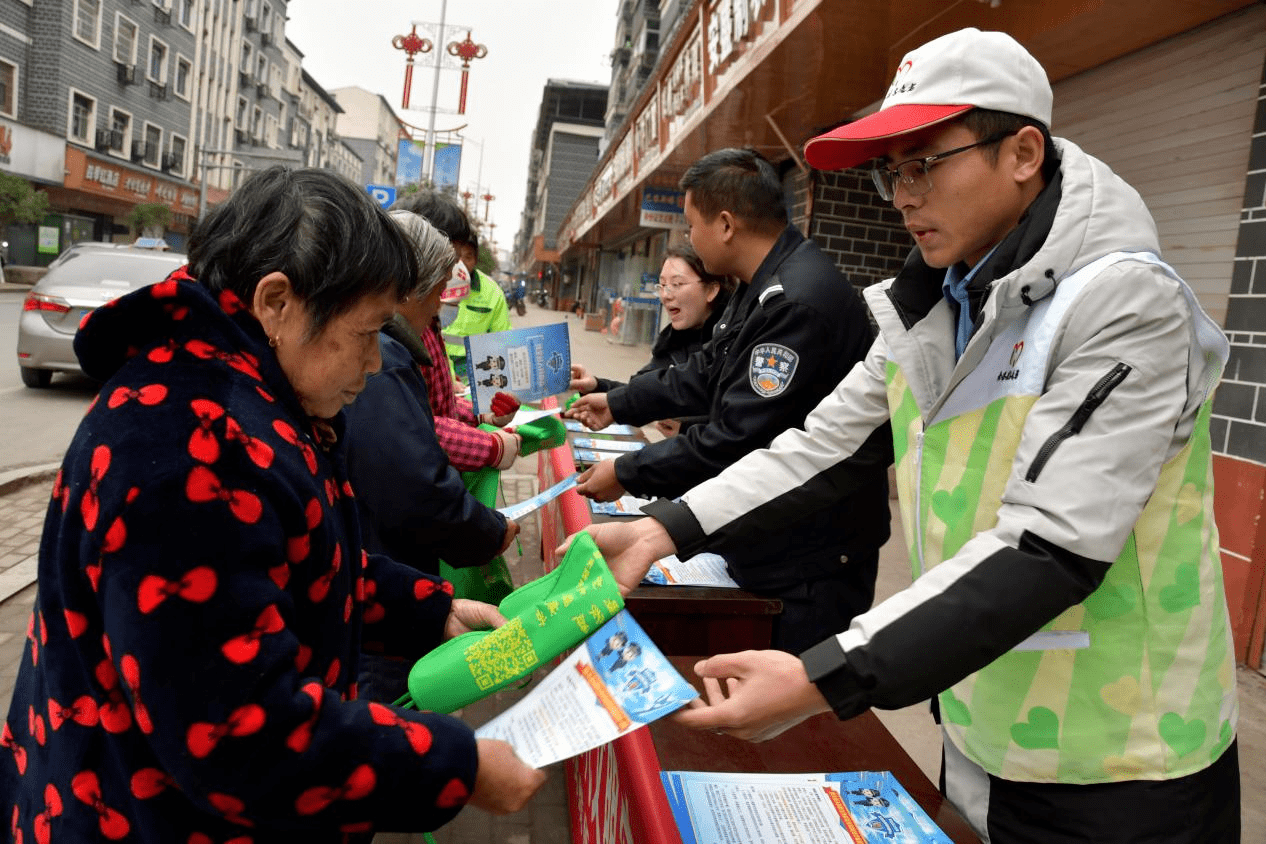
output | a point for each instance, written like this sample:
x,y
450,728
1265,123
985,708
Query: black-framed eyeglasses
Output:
x,y
913,175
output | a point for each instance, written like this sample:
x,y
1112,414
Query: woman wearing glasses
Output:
x,y
694,299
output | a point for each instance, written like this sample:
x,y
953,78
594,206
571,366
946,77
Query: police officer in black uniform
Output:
x,y
788,336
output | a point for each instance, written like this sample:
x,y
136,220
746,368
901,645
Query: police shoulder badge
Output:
x,y
771,369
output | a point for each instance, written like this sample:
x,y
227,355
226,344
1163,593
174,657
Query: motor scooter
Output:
x,y
518,298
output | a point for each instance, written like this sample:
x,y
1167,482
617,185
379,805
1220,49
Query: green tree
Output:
x,y
145,215
19,202
485,263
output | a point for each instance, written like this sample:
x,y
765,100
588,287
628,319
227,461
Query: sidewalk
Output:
x,y
24,499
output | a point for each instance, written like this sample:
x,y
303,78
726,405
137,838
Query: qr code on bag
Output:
x,y
501,656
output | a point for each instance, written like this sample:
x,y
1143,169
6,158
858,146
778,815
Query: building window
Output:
x,y
184,71
266,19
270,131
247,64
8,89
256,122
153,144
261,69
176,155
242,106
83,117
184,13
156,70
88,22
121,131
124,39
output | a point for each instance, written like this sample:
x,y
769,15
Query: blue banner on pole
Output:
x,y
409,156
448,165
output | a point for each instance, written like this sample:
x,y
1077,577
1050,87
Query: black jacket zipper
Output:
x,y
1097,395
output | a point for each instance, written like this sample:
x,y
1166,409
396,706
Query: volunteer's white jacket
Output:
x,y
1024,470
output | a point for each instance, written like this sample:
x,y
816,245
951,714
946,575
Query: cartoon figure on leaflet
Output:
x,y
870,797
614,643
492,362
497,380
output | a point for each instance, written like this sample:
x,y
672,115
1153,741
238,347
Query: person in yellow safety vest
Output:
x,y
482,311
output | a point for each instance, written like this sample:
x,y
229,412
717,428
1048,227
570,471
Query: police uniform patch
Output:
x,y
771,369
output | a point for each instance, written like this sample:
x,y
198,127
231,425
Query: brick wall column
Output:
x,y
1239,423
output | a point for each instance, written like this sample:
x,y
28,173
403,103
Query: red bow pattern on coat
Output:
x,y
359,784
246,720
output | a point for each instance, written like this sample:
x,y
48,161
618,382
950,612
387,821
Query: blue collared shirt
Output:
x,y
954,288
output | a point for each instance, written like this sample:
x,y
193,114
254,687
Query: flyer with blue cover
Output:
x,y
854,807
531,363
614,683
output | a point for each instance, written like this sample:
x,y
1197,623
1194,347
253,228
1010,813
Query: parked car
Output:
x,y
84,277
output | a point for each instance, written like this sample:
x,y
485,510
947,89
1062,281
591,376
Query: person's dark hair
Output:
x,y
323,231
441,211
740,181
686,252
986,123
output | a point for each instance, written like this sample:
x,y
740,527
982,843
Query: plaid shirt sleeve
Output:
x,y
467,448
464,411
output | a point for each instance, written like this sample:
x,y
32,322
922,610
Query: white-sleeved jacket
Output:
x,y
1056,493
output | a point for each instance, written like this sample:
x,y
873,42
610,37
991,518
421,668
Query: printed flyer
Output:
x,y
531,363
858,807
614,430
615,682
608,445
625,505
704,569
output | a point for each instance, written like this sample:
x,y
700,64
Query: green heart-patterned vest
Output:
x,y
1137,681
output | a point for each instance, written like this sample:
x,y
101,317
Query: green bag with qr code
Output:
x,y
545,618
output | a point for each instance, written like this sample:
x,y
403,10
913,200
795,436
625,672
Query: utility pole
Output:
x,y
428,154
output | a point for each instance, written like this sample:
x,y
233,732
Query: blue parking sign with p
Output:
x,y
384,195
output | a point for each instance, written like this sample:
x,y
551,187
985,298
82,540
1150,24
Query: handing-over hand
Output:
x,y
629,548
512,530
581,381
599,482
592,411
466,615
503,783
765,693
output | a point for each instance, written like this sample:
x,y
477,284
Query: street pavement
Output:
x,y
24,498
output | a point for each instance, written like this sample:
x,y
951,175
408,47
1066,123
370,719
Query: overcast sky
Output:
x,y
528,41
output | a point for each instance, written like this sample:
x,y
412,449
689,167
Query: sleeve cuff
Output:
x,y
682,526
828,669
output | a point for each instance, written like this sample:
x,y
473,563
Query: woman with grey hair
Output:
x,y
413,504
468,448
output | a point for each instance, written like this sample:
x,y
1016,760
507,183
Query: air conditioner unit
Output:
x,y
158,91
140,150
170,161
103,140
250,23
125,73
265,38
240,135
247,78
261,89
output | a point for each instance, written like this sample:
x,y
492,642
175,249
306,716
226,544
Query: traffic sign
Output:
x,y
384,195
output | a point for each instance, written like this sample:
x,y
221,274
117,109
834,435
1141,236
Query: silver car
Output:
x,y
83,278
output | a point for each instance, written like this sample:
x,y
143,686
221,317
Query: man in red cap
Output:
x,y
1048,382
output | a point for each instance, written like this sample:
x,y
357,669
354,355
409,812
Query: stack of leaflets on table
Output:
x,y
625,505
704,569
614,683
613,430
849,808
531,363
608,445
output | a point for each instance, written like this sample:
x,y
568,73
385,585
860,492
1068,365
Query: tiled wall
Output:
x,y
1239,423
856,227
